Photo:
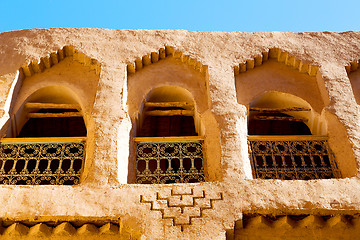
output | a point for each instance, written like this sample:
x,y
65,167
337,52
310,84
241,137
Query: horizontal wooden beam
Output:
x,y
280,118
287,138
166,139
43,139
31,105
54,115
168,104
170,113
270,110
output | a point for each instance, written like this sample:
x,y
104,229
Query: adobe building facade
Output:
x,y
121,134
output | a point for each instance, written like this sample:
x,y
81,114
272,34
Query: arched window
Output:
x,y
46,141
168,148
168,112
281,142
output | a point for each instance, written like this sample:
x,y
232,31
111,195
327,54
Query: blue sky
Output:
x,y
241,15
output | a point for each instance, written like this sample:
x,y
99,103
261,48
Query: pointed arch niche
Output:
x,y
50,109
169,107
286,101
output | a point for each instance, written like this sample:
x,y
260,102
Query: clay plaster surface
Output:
x,y
104,191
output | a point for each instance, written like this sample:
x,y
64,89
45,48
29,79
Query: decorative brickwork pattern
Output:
x,y
163,53
181,208
66,230
297,221
54,58
254,226
279,56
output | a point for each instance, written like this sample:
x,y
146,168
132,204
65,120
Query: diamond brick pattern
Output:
x,y
181,208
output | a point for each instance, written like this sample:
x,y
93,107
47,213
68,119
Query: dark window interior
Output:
x,y
164,126
54,126
277,127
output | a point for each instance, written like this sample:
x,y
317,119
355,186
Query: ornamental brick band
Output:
x,y
182,207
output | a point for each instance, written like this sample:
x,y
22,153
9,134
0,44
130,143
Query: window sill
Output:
x,y
43,139
166,139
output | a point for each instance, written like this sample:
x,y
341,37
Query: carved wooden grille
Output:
x,y
292,157
41,161
169,162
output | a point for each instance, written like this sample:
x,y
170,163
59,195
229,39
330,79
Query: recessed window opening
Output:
x,y
169,149
281,141
49,143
